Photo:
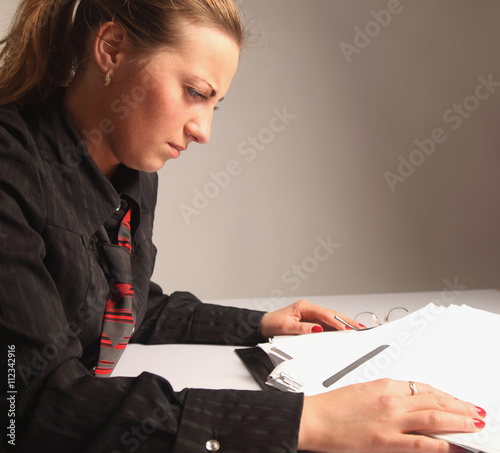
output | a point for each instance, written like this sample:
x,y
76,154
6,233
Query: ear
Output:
x,y
110,47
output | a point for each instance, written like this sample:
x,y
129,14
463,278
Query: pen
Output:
x,y
345,323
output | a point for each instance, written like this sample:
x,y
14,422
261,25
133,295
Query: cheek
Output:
x,y
145,117
162,107
147,122
159,116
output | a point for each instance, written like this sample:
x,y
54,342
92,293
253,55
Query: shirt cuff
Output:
x,y
239,421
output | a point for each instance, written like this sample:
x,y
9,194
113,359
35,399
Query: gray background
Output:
x,y
322,175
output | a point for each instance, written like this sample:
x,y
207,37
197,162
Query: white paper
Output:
x,y
454,349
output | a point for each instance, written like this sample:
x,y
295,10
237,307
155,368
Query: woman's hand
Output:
x,y
382,416
300,318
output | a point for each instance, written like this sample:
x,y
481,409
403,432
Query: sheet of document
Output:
x,y
453,349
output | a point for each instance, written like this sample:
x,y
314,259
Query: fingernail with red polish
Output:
x,y
480,424
364,327
481,411
317,329
458,449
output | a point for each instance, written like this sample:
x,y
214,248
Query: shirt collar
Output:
x,y
127,184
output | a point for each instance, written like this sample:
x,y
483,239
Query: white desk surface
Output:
x,y
218,367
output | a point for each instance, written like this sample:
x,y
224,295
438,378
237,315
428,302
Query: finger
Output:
x,y
308,327
325,317
419,388
443,403
435,421
416,442
344,323
430,398
294,327
348,323
403,388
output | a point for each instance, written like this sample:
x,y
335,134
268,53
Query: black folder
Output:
x,y
258,364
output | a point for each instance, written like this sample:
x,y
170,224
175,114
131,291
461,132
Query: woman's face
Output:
x,y
170,102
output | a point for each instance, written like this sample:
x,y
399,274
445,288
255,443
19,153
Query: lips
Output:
x,y
176,149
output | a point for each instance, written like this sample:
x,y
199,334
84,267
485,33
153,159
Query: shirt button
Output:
x,y
212,445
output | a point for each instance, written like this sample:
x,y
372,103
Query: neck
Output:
x,y
83,101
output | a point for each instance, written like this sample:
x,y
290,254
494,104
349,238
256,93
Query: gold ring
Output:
x,y
413,388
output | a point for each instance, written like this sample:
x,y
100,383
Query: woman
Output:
x,y
77,196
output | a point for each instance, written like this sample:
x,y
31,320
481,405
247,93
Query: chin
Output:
x,y
149,162
147,167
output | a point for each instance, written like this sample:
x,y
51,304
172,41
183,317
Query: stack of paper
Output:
x,y
454,349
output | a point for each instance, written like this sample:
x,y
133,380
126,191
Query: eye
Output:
x,y
197,95
194,93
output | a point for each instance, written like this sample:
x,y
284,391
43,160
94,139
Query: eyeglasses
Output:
x,y
369,319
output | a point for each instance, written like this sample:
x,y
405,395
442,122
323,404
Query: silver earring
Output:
x,y
107,79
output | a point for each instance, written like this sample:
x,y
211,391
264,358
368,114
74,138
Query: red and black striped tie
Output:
x,y
118,315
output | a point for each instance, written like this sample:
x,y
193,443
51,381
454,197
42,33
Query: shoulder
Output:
x,y
17,144
14,129
41,136
22,185
43,130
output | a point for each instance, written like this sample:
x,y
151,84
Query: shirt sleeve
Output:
x,y
58,405
183,318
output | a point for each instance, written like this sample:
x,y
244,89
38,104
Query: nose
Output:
x,y
199,128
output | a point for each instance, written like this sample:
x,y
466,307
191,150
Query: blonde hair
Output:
x,y
47,41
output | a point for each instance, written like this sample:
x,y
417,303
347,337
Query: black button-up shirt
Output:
x,y
53,288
